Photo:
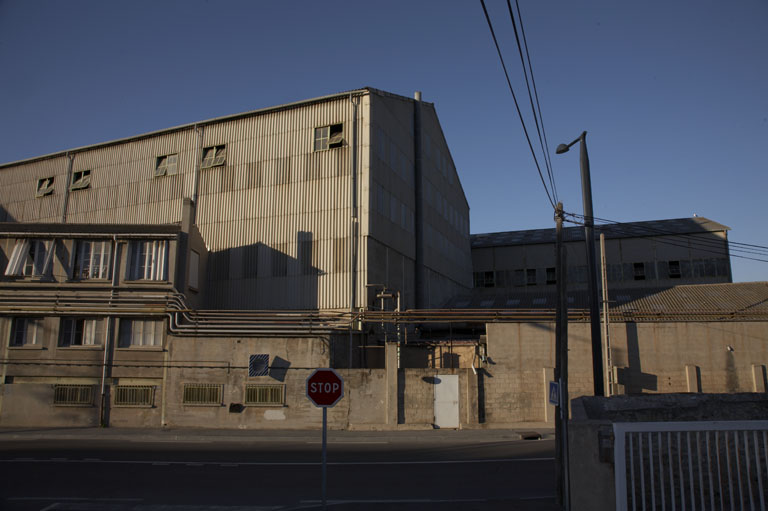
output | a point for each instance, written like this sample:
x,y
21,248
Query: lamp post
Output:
x,y
594,316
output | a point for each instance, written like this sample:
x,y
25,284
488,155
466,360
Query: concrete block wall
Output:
x,y
648,357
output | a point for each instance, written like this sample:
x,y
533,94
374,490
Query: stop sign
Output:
x,y
325,387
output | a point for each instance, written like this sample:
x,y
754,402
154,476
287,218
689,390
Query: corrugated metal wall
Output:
x,y
445,228
274,194
277,217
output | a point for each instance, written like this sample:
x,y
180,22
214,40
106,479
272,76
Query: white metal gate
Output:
x,y
447,401
691,465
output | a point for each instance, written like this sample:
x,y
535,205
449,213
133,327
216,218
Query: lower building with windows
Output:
x,y
649,255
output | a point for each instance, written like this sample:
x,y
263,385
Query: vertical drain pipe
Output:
x,y
107,334
71,158
418,232
198,162
353,224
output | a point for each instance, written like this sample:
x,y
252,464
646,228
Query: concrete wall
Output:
x,y
664,357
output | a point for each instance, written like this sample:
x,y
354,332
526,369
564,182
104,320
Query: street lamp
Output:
x,y
586,194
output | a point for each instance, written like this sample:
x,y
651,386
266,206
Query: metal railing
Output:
x,y
691,465
202,394
264,394
73,395
134,395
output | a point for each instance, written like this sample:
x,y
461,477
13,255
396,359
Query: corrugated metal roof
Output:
x,y
743,300
670,227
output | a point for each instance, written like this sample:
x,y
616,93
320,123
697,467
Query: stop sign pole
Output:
x,y
325,388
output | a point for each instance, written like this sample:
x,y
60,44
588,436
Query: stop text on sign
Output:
x,y
325,387
321,388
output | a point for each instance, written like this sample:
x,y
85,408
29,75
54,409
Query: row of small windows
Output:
x,y
441,243
326,137
516,278
445,209
616,273
148,259
74,331
192,394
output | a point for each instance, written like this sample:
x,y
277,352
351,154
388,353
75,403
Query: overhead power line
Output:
x,y
517,106
695,238
535,109
691,241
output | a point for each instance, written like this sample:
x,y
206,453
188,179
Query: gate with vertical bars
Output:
x,y
681,466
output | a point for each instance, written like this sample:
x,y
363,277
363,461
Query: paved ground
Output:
x,y
116,469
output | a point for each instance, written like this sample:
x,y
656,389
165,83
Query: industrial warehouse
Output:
x,y
195,276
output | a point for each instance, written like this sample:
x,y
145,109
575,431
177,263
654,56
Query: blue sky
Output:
x,y
673,95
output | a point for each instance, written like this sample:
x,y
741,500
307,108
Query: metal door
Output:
x,y
447,401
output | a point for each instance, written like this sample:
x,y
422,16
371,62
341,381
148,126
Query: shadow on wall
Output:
x,y
632,377
258,276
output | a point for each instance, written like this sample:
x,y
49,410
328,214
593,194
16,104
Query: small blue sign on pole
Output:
x,y
554,393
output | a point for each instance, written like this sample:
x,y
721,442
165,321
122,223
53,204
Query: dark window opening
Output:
x,y
329,137
639,271
674,270
551,276
44,187
531,276
80,180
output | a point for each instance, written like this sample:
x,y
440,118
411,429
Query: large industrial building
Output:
x,y
195,276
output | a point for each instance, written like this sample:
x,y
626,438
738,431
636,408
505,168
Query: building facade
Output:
x,y
654,254
300,206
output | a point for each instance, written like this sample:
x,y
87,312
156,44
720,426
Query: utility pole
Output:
x,y
606,321
561,365
594,310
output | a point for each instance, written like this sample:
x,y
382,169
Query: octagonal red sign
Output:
x,y
325,387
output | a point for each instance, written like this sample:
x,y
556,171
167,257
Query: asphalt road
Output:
x,y
374,471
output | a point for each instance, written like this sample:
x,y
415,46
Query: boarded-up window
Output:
x,y
340,255
250,261
194,269
279,262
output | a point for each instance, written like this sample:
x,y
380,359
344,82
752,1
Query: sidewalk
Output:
x,y
522,431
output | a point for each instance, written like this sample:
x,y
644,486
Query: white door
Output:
x,y
447,401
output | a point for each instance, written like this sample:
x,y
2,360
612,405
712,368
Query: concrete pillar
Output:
x,y
758,378
693,378
390,363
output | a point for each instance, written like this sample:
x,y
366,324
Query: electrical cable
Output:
x,y
547,163
517,106
538,103
708,249
694,238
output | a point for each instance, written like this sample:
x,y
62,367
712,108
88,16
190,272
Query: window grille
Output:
x,y
73,395
167,165
202,394
80,180
134,395
93,259
214,156
44,187
264,394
